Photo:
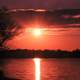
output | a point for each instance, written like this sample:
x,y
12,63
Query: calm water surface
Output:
x,y
43,69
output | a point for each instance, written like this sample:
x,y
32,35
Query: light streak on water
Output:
x,y
37,68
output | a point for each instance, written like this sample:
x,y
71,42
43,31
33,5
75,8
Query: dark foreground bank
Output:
x,y
2,77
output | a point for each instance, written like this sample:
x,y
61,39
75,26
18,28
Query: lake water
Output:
x,y
42,69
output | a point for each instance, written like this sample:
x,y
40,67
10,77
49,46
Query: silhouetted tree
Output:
x,y
8,26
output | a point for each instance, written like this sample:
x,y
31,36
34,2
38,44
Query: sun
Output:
x,y
37,32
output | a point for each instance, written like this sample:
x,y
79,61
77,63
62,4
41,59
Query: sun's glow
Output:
x,y
37,32
37,68
40,10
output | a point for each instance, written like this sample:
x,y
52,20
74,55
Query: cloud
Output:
x,y
71,16
48,4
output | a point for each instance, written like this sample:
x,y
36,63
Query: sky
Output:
x,y
46,4
65,39
56,38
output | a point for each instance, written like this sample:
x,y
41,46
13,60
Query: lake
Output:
x,y
43,69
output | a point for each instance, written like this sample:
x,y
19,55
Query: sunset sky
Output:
x,y
47,38
56,38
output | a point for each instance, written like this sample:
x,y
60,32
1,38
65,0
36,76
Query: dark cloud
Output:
x,y
48,4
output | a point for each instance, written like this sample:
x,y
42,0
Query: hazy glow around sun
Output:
x,y
37,32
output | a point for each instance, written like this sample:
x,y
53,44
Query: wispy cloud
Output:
x,y
56,31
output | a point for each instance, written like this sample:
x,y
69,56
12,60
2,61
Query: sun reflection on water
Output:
x,y
37,68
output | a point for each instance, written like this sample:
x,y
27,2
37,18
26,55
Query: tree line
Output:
x,y
24,53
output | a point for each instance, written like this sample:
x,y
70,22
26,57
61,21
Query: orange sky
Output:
x,y
51,38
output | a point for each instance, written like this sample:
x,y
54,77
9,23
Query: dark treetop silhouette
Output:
x,y
8,26
25,53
